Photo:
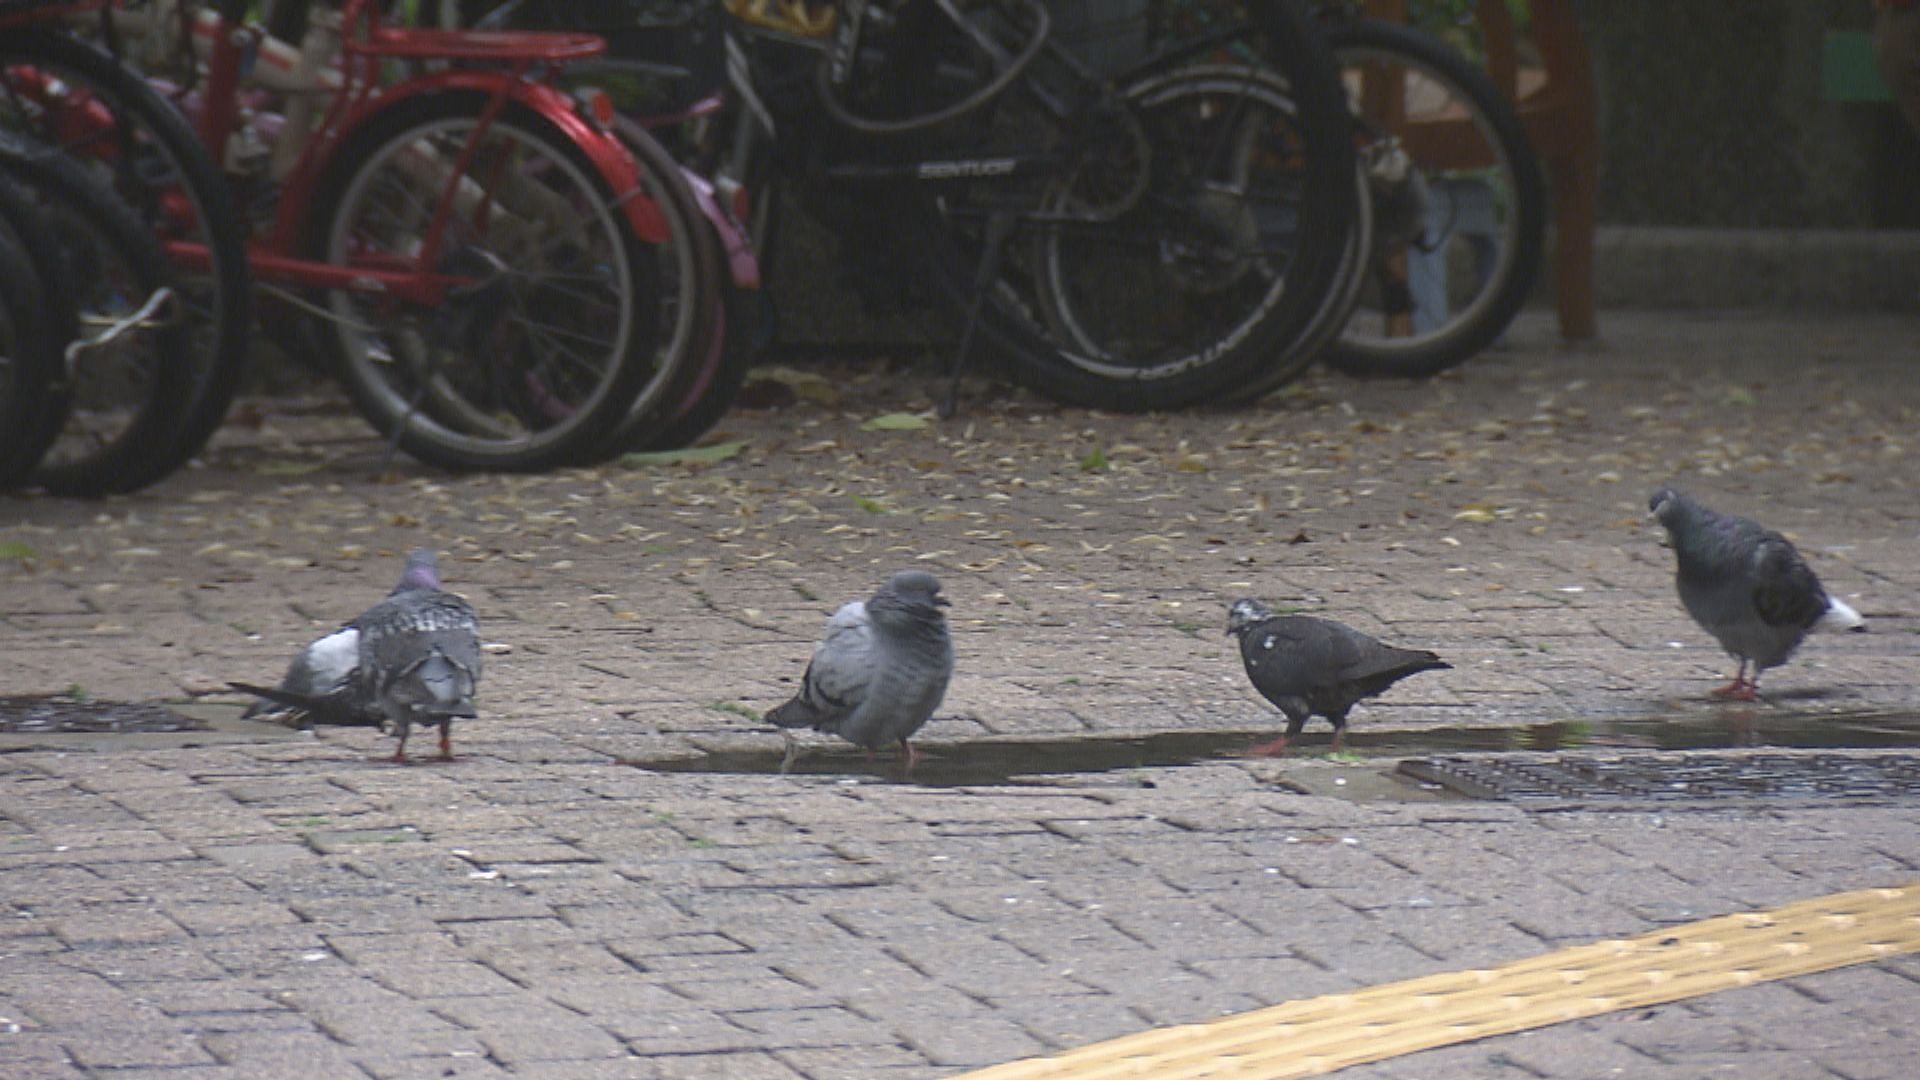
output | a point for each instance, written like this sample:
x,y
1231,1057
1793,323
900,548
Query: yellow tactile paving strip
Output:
x,y
1320,1035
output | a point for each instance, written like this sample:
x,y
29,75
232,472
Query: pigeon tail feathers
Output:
x,y
797,713
446,686
332,710
1839,616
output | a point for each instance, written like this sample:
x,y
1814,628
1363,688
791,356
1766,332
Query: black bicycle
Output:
x,y
1146,212
152,401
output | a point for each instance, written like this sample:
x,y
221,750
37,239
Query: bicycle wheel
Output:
x,y
1459,203
692,279
1226,133
551,343
127,394
67,93
1147,273
32,393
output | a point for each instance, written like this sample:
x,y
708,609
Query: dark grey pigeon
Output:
x,y
1747,586
880,671
1306,666
415,658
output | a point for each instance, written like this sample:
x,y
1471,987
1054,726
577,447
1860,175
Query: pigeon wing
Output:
x,y
838,677
1786,592
321,686
1285,657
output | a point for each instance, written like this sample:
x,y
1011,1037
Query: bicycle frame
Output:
x,y
232,50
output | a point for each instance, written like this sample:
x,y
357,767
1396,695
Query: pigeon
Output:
x,y
415,656
880,671
322,684
1747,586
1306,665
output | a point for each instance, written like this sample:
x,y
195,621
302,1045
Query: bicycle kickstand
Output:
x,y
999,227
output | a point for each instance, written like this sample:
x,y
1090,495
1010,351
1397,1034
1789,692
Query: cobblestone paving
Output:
x,y
538,909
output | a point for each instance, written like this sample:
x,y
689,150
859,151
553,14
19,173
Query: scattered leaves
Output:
x,y
871,506
737,709
1095,461
14,549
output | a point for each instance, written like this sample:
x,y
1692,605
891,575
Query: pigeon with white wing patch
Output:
x,y
412,658
1747,586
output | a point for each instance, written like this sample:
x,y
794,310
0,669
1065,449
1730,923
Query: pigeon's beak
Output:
x,y
941,601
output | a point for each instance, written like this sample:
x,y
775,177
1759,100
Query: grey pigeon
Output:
x,y
1306,665
1747,586
415,656
880,671
322,684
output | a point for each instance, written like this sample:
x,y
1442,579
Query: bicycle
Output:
x,y
1459,202
122,390
1141,236
66,93
32,319
479,241
665,69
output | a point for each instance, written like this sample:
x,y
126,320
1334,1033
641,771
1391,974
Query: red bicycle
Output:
x,y
481,250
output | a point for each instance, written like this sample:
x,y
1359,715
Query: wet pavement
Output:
x,y
613,879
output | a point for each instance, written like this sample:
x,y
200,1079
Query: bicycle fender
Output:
x,y
603,149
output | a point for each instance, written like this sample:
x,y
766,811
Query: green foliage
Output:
x,y
698,455
897,421
1436,15
1453,21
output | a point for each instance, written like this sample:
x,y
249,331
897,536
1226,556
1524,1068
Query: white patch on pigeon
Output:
x,y
335,656
1267,642
1838,616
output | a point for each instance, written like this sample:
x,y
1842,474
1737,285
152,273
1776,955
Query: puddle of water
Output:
x,y
52,715
977,763
985,762
58,723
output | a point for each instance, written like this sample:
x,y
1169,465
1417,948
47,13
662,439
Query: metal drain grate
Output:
x,y
1669,777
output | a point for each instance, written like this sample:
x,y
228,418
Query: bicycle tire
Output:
x,y
32,391
108,248
1519,189
698,343
1236,357
1337,304
219,297
449,431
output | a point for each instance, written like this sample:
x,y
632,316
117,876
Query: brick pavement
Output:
x,y
536,910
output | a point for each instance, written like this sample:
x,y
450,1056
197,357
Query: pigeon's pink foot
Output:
x,y
909,755
1737,690
1269,749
